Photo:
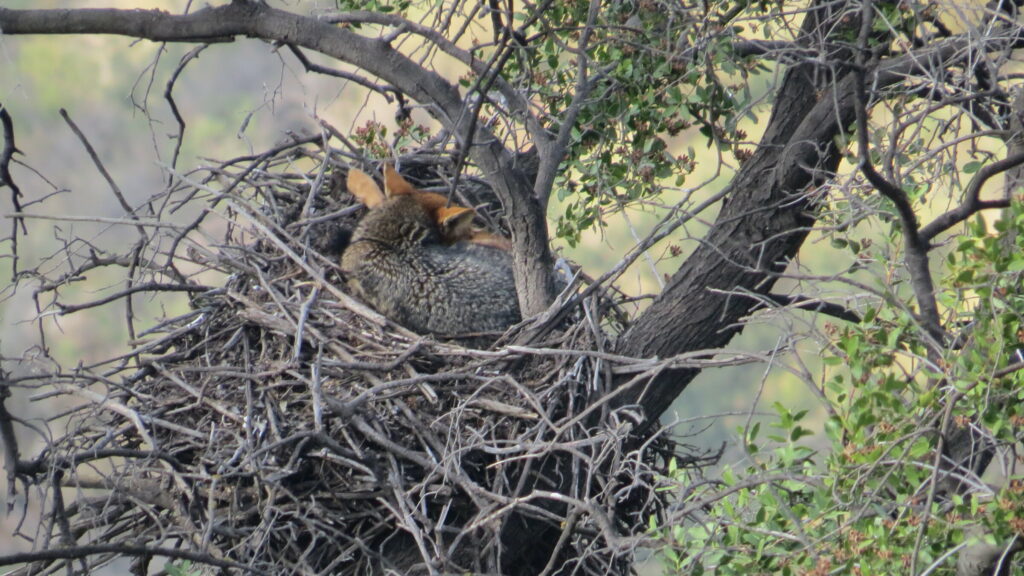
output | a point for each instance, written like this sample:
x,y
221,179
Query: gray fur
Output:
x,y
397,263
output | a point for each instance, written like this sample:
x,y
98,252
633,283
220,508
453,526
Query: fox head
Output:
x,y
454,222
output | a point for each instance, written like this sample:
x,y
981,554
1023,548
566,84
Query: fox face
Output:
x,y
454,222
416,260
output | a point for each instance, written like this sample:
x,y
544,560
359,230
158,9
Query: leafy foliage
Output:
x,y
865,504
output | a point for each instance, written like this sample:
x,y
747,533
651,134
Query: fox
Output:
x,y
454,221
420,262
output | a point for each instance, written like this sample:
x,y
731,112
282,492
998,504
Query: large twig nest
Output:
x,y
282,426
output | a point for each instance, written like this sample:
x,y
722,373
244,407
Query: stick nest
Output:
x,y
279,427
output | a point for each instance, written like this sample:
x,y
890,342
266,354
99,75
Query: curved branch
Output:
x,y
148,287
915,247
6,180
816,305
972,203
314,67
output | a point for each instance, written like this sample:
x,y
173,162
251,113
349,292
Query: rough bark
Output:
x,y
763,223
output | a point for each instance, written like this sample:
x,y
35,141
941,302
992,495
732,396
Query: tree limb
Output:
x,y
915,247
972,203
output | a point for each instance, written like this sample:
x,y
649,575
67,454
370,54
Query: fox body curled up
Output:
x,y
399,260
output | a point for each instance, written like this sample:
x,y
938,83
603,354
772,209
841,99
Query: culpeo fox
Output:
x,y
399,261
454,222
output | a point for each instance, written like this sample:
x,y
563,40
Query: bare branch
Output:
x,y
6,180
76,552
9,442
148,287
103,171
385,91
972,204
169,97
816,305
916,247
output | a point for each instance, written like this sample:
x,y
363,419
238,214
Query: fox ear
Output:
x,y
433,202
364,188
394,184
456,222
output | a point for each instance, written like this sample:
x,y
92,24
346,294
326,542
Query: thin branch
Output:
x,y
169,97
76,552
94,219
551,158
103,171
514,97
972,204
388,92
148,287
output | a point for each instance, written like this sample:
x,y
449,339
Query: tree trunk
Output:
x,y
765,218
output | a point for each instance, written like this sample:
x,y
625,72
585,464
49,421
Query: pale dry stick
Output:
x,y
199,396
93,219
254,311
316,390
349,302
104,402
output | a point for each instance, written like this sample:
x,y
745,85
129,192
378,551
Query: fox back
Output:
x,y
398,262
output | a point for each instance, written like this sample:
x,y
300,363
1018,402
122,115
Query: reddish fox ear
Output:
x,y
394,184
432,202
364,188
456,222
